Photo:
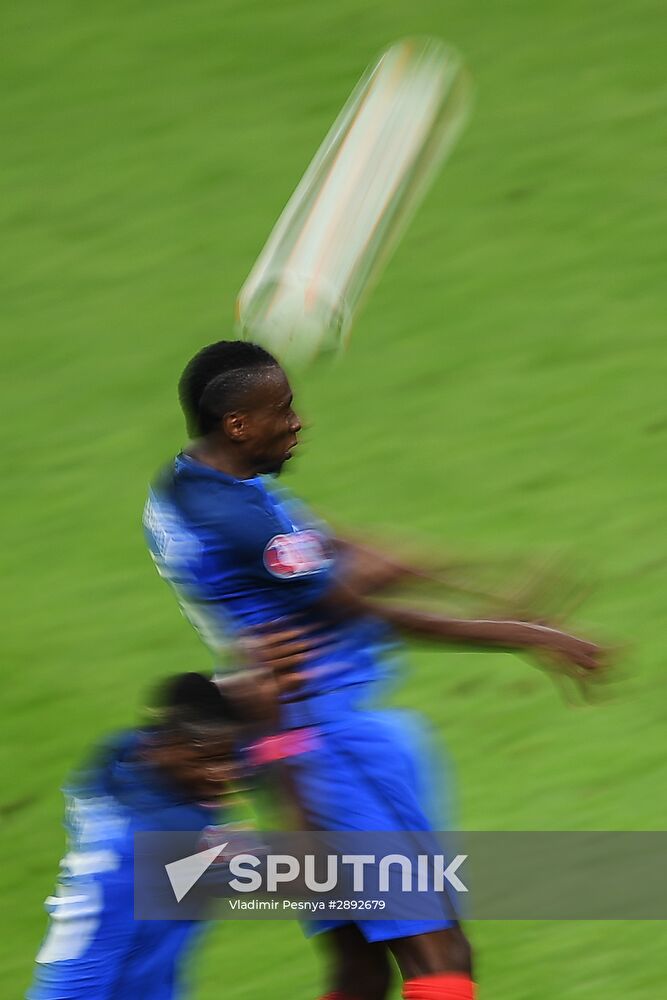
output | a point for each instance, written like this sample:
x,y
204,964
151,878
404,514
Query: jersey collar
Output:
x,y
191,466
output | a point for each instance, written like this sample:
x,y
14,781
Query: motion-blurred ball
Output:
x,y
354,201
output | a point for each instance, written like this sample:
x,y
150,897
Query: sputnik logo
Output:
x,y
186,872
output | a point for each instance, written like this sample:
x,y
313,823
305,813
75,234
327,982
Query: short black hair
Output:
x,y
233,366
185,708
188,701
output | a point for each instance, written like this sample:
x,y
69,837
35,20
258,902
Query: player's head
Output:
x,y
238,392
193,737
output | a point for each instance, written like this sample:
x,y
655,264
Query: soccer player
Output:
x,y
166,776
242,554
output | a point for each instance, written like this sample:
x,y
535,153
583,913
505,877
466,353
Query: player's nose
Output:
x,y
295,423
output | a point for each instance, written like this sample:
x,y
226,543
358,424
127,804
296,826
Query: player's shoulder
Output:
x,y
95,817
194,512
294,508
193,492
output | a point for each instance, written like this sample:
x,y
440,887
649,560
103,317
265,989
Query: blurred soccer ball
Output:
x,y
354,201
296,320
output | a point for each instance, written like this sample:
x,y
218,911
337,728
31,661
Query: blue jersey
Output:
x,y
94,947
241,553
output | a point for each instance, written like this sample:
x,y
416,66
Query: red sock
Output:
x,y
443,986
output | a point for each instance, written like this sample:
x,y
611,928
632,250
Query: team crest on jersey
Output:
x,y
299,554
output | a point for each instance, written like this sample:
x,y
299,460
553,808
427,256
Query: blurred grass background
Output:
x,y
504,392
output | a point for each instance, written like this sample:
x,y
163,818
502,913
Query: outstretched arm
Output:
x,y
500,634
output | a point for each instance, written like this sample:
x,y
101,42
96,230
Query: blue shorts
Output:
x,y
370,770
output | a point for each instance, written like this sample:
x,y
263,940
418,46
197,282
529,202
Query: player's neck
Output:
x,y
217,457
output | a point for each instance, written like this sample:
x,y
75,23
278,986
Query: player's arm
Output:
x,y
300,562
367,570
497,634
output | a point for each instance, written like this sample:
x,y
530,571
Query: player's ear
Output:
x,y
235,425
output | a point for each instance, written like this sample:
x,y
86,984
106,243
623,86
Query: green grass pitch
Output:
x,y
504,392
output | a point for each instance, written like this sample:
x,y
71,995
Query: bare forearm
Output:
x,y
460,631
513,636
509,635
344,602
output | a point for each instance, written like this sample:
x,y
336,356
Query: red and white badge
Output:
x,y
298,554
